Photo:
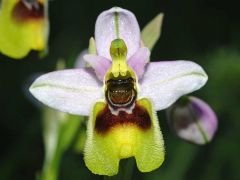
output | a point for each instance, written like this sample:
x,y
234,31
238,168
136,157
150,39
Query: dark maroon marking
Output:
x,y
105,120
24,10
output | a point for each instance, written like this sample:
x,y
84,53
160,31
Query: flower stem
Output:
x,y
125,170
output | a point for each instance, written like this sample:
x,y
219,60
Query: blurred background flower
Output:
x,y
205,31
193,120
24,27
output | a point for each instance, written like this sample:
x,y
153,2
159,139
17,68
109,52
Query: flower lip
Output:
x,y
26,10
115,137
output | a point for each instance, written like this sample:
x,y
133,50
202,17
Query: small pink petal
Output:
x,y
106,32
138,61
99,64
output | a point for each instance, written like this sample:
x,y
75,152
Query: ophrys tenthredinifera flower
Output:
x,y
122,100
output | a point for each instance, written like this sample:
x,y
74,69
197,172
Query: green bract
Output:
x,y
152,31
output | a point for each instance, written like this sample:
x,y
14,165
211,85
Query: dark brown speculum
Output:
x,y
120,92
25,10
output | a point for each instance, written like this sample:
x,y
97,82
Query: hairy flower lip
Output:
x,y
124,139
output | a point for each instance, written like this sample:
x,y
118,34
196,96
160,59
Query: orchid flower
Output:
x,y
120,93
193,120
24,26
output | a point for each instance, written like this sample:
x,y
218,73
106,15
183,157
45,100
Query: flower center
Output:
x,y
121,92
120,80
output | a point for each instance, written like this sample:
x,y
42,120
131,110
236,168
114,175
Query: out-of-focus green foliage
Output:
x,y
59,129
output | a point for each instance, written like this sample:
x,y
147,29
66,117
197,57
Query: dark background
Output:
x,y
205,31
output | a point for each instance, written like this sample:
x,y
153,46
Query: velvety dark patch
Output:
x,y
24,11
105,120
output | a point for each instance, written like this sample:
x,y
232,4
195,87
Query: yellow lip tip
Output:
x,y
126,151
